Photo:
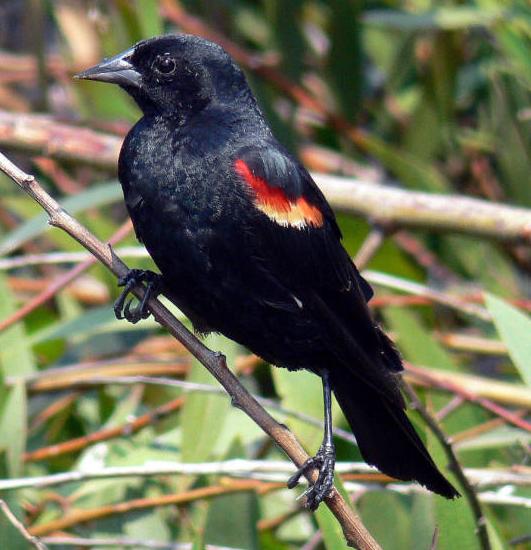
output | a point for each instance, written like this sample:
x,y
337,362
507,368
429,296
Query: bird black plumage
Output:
x,y
248,246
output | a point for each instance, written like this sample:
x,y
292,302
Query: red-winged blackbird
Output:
x,y
248,246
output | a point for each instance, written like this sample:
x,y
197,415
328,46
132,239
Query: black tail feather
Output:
x,y
385,436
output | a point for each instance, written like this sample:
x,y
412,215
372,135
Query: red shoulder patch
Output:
x,y
273,202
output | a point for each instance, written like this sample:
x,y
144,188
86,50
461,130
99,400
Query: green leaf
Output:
x,y
310,401
495,535
288,36
13,430
422,525
15,352
456,525
392,528
144,527
444,18
345,60
232,519
514,328
100,320
94,197
203,415
500,438
10,537
419,346
410,169
150,17
454,518
415,341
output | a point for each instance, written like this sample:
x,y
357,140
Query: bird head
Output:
x,y
172,74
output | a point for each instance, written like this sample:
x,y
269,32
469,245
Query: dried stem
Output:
x,y
370,246
410,287
88,379
76,517
122,543
438,379
354,531
263,470
382,204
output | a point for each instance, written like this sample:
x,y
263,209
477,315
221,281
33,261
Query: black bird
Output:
x,y
248,246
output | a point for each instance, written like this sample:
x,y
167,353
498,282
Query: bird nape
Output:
x,y
248,246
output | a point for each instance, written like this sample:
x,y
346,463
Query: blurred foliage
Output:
x,y
440,92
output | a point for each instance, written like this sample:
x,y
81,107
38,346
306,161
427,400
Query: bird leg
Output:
x,y
137,277
324,460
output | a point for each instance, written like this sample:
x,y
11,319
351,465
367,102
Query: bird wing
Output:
x,y
298,228
294,235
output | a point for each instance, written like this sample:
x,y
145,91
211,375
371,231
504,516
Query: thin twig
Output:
x,y
60,282
518,395
127,543
439,380
126,370
479,429
72,376
370,246
262,470
74,445
416,248
354,531
455,466
15,262
410,287
187,386
489,497
474,344
80,516
131,427
314,542
427,294
435,539
34,541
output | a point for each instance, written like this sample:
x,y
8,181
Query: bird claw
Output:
x,y
324,460
136,277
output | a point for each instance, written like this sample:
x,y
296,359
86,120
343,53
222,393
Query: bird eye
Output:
x,y
165,65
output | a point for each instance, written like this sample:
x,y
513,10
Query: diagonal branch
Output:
x,y
454,465
34,541
354,531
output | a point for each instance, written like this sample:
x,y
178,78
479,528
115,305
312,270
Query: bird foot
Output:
x,y
325,461
136,277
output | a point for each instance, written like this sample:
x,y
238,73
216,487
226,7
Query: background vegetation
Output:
x,y
423,95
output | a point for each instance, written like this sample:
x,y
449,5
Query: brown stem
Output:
x,y
73,445
454,465
82,516
353,529
60,282
370,246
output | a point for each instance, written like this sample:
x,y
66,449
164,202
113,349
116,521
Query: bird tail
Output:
x,y
385,436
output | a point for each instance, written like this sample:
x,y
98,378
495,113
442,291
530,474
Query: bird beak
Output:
x,y
116,70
